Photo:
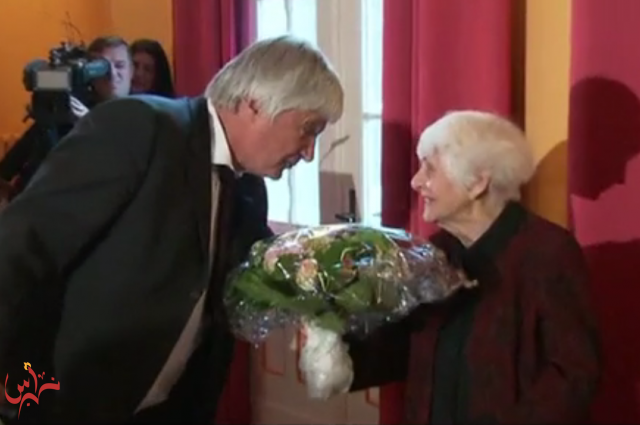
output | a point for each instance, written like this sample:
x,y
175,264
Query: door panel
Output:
x,y
278,392
279,395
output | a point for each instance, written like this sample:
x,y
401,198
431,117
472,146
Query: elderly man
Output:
x,y
113,260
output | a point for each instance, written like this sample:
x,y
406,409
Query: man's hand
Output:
x,y
299,340
78,108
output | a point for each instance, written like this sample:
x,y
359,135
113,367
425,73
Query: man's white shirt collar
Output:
x,y
220,152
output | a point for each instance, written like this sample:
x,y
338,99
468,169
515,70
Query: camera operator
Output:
x,y
116,51
23,159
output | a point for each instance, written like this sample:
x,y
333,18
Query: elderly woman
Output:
x,y
522,346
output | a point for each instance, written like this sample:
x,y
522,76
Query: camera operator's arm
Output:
x,y
79,189
19,154
6,191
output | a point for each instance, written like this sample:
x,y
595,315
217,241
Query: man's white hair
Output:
x,y
471,142
281,74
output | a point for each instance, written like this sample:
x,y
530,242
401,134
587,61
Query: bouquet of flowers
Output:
x,y
332,280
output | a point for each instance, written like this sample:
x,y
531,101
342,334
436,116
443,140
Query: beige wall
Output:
x,y
547,103
133,19
31,27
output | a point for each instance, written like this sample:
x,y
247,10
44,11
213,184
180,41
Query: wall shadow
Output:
x,y
550,183
604,182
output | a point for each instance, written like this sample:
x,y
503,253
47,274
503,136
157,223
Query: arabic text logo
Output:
x,y
26,384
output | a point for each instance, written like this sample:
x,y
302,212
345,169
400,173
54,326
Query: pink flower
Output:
x,y
270,259
307,274
276,251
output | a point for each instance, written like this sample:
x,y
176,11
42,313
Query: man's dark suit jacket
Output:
x,y
104,255
27,153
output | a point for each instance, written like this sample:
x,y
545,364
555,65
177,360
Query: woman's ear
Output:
x,y
480,186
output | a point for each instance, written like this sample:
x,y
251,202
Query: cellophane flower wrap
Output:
x,y
333,280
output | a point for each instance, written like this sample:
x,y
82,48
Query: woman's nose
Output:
x,y
418,181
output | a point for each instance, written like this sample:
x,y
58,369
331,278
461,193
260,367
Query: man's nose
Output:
x,y
309,152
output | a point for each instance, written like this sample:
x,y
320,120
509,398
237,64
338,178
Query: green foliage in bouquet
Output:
x,y
321,275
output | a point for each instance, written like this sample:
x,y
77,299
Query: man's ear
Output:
x,y
480,185
248,107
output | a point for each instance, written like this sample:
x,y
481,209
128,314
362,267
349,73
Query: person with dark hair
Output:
x,y
26,155
151,72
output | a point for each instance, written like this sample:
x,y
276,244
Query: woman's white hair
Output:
x,y
471,142
281,74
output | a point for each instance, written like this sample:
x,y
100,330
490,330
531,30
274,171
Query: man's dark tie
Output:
x,y
195,395
223,247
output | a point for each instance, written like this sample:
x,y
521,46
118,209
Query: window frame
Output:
x,y
338,22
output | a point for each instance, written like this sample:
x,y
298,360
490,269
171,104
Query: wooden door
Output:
x,y
279,394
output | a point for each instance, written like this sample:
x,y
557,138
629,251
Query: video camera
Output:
x,y
69,71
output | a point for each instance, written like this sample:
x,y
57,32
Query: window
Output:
x,y
295,198
349,153
372,12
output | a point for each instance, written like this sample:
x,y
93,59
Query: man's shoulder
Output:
x,y
160,103
150,109
149,104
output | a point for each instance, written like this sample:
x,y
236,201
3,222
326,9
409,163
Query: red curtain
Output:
x,y
206,34
438,56
604,186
